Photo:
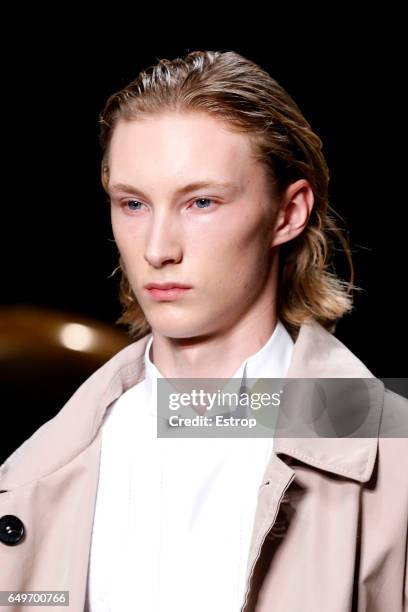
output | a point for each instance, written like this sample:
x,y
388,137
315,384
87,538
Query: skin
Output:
x,y
225,246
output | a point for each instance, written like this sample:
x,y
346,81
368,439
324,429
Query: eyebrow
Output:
x,y
180,191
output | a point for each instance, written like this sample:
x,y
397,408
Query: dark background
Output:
x,y
56,237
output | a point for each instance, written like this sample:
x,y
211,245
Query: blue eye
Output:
x,y
132,201
203,200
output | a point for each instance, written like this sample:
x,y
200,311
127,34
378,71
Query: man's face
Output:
x,y
214,239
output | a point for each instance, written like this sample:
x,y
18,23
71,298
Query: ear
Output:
x,y
294,213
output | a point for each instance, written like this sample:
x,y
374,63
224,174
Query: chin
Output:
x,y
178,328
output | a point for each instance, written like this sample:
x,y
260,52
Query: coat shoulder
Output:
x,y
66,434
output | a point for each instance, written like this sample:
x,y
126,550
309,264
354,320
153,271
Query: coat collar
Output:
x,y
319,354
316,354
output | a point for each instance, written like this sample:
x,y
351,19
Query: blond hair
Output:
x,y
236,90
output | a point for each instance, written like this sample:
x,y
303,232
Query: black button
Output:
x,y
11,529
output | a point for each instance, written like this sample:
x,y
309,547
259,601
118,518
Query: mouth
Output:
x,y
166,291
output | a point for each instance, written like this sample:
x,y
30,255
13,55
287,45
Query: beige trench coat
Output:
x,y
330,530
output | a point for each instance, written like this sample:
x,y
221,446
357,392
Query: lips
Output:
x,y
164,286
166,292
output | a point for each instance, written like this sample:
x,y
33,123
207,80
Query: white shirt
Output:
x,y
174,516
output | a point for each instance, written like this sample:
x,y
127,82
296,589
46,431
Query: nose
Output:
x,y
162,242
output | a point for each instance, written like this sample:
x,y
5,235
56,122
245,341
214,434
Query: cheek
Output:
x,y
228,257
229,233
127,239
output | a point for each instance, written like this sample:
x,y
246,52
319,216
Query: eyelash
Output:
x,y
126,202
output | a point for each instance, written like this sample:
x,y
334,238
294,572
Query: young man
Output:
x,y
217,184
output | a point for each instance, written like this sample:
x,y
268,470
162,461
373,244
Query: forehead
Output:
x,y
177,146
